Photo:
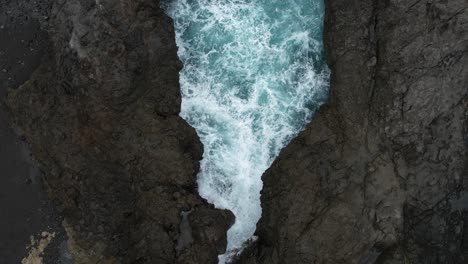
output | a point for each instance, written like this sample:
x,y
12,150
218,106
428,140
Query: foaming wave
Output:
x,y
253,76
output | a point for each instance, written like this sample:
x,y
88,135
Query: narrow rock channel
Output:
x,y
254,74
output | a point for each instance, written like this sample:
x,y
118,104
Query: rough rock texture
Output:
x,y
101,117
380,174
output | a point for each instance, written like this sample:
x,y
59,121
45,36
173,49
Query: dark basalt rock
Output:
x,y
380,175
101,117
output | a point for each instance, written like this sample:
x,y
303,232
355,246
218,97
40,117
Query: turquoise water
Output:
x,y
254,74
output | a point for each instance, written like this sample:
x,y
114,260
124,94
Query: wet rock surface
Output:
x,y
380,174
101,117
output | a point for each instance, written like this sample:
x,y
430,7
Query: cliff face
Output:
x,y
101,116
379,176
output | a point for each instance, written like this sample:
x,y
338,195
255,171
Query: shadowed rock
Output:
x,y
101,117
379,176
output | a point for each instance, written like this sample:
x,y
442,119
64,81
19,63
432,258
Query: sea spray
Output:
x,y
254,74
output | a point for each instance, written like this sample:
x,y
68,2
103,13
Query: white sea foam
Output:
x,y
253,76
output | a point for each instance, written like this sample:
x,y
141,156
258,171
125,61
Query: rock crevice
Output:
x,y
379,176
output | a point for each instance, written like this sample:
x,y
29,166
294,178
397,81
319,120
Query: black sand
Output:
x,y
24,208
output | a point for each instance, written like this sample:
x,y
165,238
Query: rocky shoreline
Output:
x,y
379,176
101,117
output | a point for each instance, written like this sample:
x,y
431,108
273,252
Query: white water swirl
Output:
x,y
253,76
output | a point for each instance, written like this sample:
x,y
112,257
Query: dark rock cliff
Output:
x,y
101,117
379,176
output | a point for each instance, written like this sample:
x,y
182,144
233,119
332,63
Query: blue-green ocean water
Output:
x,y
254,74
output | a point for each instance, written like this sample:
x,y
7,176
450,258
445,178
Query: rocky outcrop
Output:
x,y
101,117
380,174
